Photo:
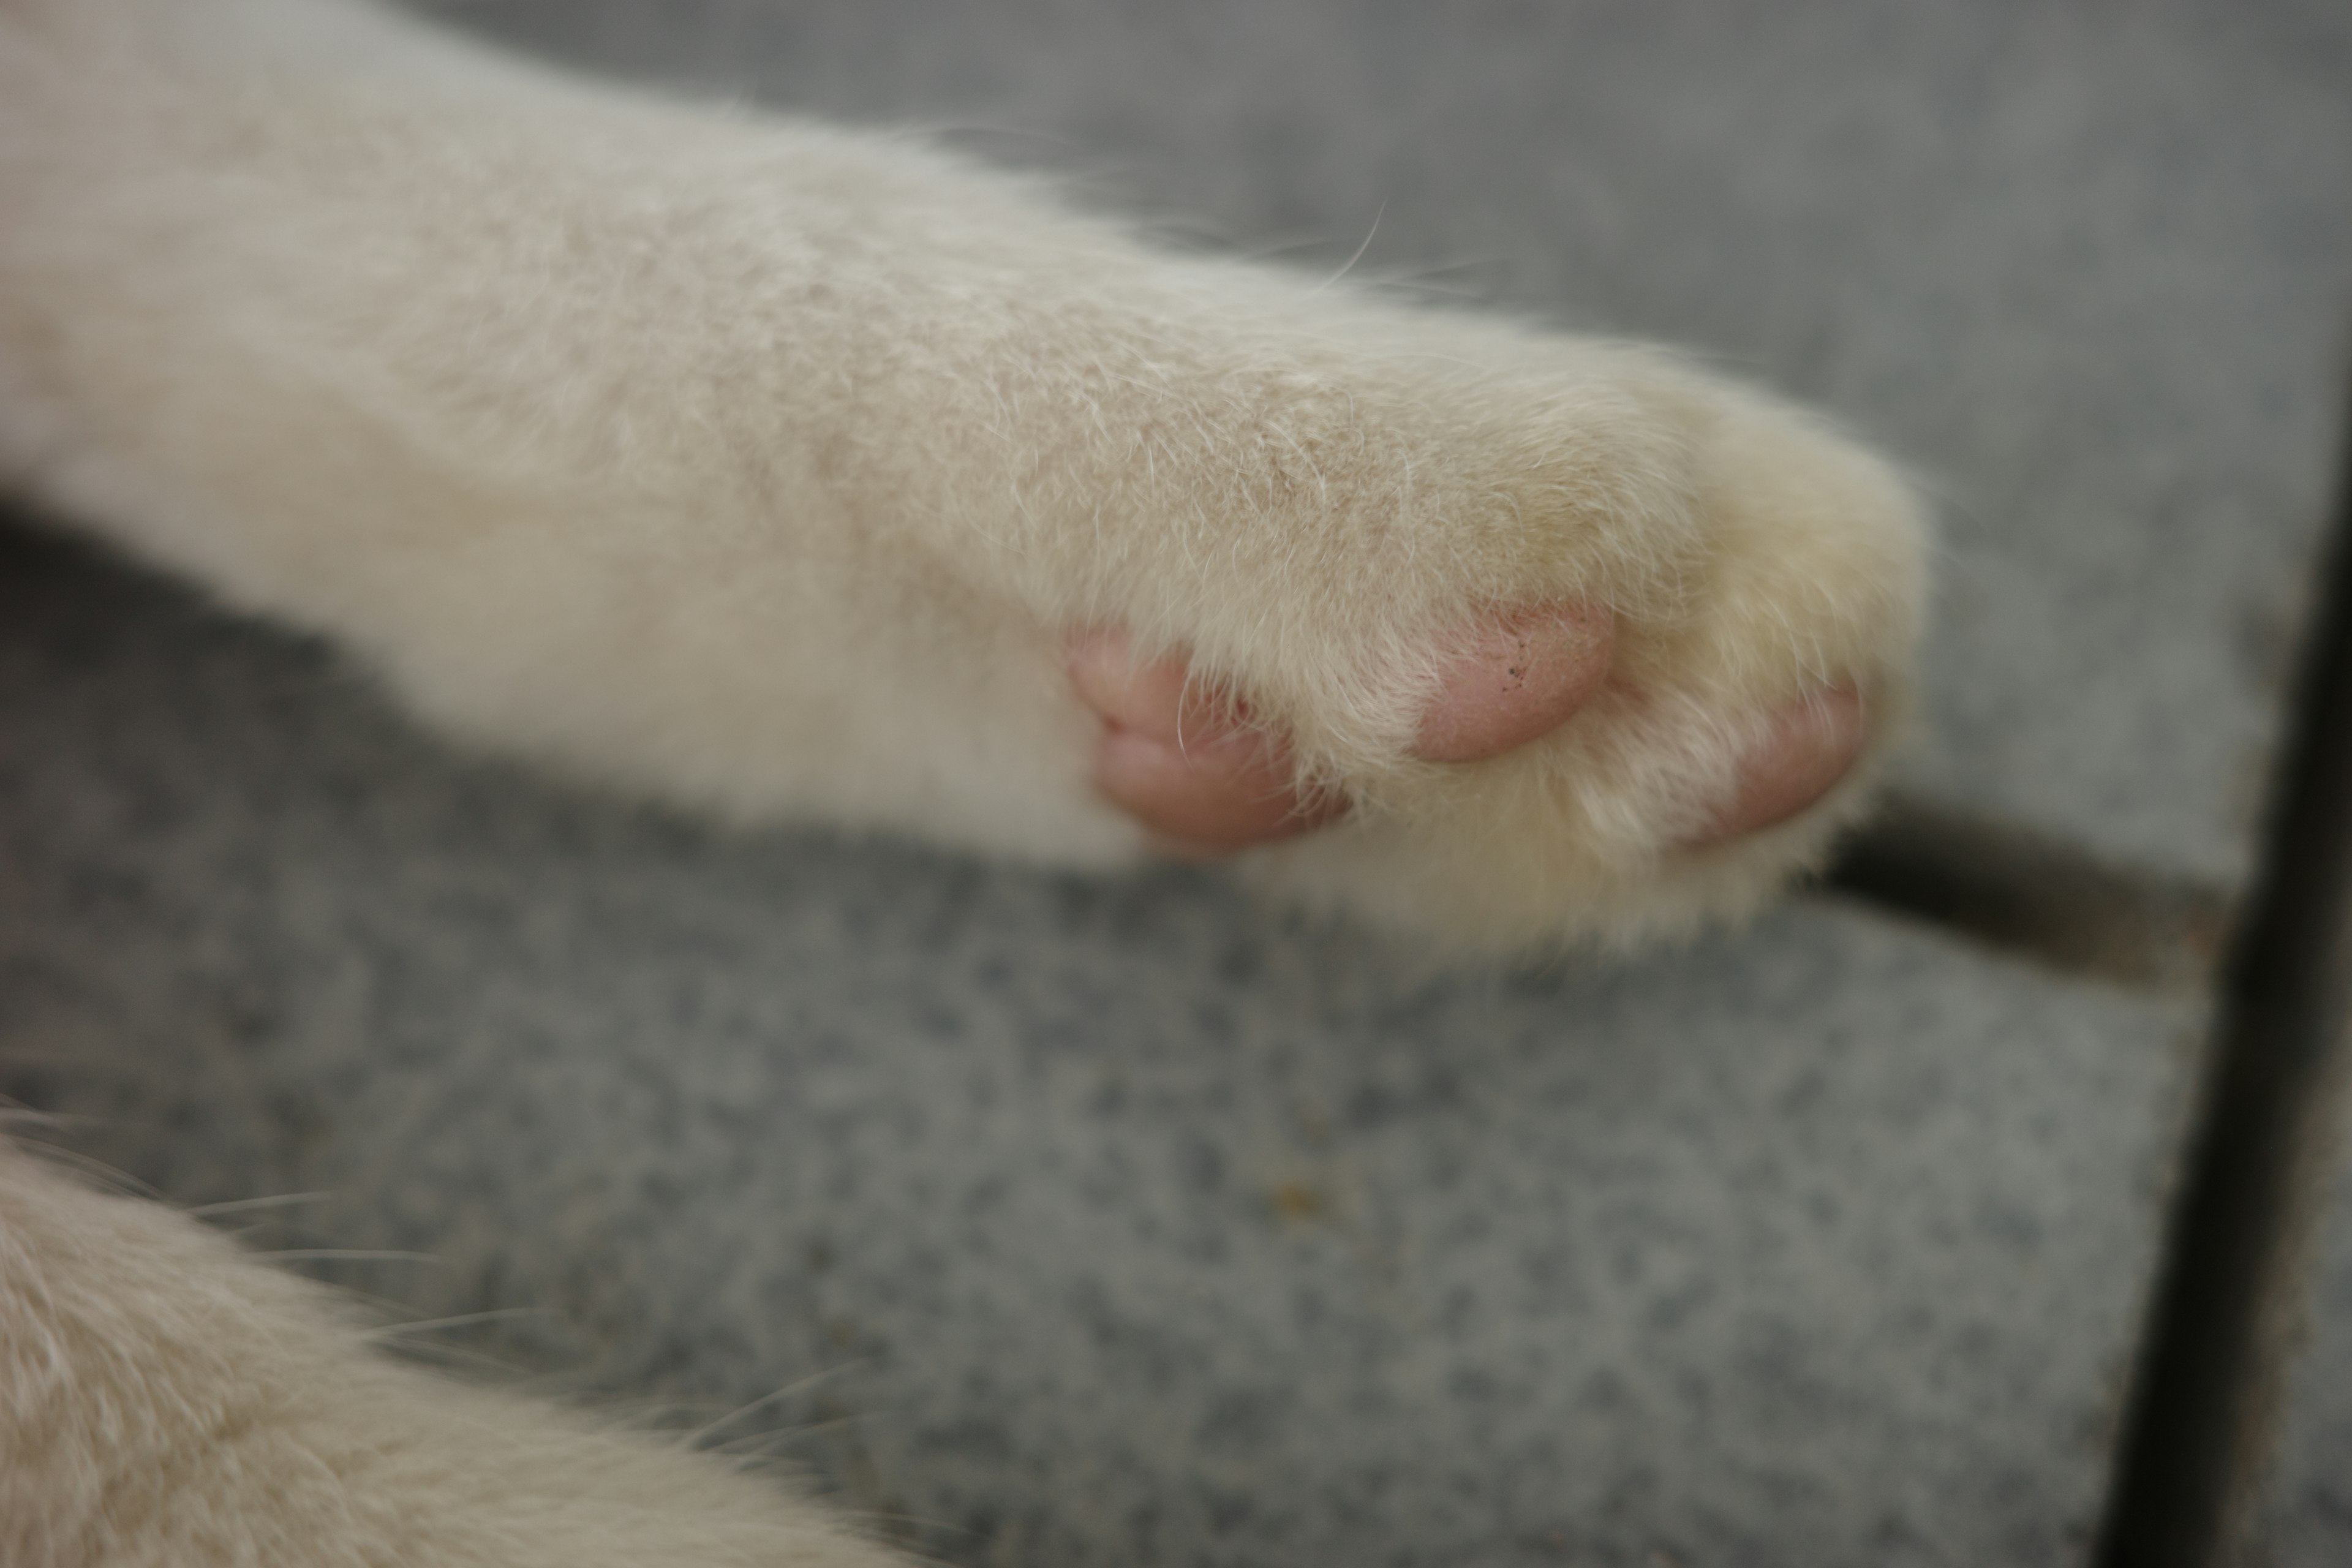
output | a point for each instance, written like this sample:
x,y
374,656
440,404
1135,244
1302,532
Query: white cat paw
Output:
x,y
1663,743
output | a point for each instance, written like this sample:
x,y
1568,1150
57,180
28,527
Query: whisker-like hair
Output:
x,y
1351,261
698,1438
455,1320
244,1205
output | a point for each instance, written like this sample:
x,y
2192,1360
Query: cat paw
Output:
x,y
1667,748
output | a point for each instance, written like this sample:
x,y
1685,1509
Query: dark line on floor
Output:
x,y
2038,896
2198,1431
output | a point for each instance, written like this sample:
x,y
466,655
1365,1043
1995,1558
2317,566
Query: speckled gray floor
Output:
x,y
1135,1227
1125,1224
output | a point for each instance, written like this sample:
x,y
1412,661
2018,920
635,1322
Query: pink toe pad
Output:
x,y
1514,679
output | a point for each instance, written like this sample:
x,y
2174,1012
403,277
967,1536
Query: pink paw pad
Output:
x,y
1808,746
1187,762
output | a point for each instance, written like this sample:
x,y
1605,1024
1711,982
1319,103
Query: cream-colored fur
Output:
x,y
167,1403
765,467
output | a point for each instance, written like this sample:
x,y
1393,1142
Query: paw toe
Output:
x,y
1183,760
1801,752
1515,679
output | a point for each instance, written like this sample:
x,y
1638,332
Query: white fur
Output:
x,y
765,467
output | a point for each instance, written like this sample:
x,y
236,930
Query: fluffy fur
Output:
x,y
763,467
167,1403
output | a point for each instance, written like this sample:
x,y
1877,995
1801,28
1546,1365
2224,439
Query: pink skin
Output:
x,y
1190,766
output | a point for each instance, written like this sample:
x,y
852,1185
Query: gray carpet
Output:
x,y
1124,1223
1131,1225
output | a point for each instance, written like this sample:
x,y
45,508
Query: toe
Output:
x,y
1205,797
1185,760
1808,746
1515,679
1158,698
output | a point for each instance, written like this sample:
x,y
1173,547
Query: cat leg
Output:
x,y
774,469
166,1401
